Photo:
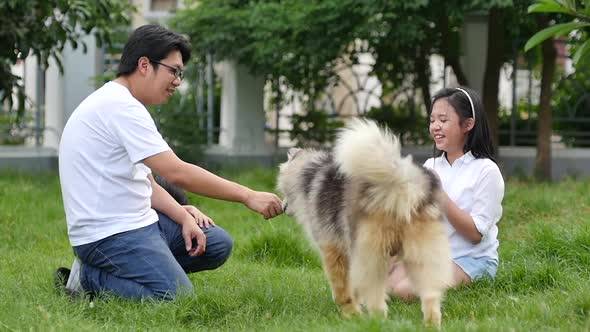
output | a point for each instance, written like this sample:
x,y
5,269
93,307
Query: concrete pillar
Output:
x,y
474,44
33,82
54,106
30,77
242,112
64,92
80,71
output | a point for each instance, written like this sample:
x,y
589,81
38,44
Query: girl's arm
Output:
x,y
486,208
462,221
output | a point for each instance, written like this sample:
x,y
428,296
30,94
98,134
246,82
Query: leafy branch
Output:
x,y
581,20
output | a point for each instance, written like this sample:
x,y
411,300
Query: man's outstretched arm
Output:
x,y
202,182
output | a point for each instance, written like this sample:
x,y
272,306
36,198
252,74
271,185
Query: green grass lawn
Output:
x,y
274,281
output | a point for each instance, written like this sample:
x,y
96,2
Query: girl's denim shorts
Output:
x,y
477,268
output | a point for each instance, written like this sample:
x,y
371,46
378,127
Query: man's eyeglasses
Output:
x,y
178,73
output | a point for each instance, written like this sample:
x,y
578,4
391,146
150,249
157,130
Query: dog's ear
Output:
x,y
292,153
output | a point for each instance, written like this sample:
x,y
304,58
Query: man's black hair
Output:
x,y
154,42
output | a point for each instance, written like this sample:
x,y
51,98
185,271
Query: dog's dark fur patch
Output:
x,y
330,203
177,193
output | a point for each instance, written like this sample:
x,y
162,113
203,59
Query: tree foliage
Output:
x,y
580,21
303,38
299,40
303,41
44,27
554,11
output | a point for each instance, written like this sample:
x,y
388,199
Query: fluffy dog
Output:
x,y
363,203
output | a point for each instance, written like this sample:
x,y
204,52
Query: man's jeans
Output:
x,y
149,262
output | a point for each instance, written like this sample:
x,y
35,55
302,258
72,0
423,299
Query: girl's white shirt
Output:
x,y
476,186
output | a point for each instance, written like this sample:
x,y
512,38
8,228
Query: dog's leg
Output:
x,y
427,259
370,264
431,309
336,267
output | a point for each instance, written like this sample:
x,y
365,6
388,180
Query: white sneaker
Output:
x,y
73,285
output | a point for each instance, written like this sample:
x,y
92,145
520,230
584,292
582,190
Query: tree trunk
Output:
x,y
545,118
453,61
423,75
492,70
450,54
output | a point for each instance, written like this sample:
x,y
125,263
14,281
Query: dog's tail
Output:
x,y
394,184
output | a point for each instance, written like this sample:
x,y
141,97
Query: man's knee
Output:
x,y
180,287
225,246
218,250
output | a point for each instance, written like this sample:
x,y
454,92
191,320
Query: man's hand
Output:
x,y
190,231
267,204
200,218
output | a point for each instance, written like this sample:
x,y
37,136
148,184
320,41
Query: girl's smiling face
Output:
x,y
446,129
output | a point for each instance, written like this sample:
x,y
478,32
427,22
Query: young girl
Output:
x,y
473,185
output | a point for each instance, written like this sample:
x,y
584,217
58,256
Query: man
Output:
x,y
131,238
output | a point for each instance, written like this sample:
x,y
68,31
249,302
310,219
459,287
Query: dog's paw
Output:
x,y
433,318
378,310
350,310
431,311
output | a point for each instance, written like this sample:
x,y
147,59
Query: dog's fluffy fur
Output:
x,y
176,192
362,204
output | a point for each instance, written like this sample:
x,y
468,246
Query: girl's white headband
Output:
x,y
470,101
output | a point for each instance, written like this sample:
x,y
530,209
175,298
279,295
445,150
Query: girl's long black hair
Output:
x,y
479,141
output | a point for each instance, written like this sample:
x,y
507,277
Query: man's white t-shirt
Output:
x,y
103,180
477,187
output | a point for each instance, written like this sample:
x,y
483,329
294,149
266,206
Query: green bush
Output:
x,y
181,126
314,129
8,123
570,108
410,125
572,104
525,125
